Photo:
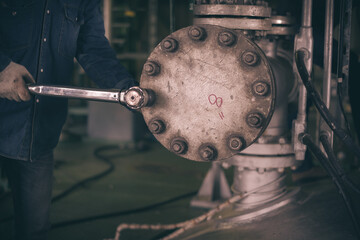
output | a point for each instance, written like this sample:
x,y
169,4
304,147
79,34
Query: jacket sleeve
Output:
x,y
95,54
4,61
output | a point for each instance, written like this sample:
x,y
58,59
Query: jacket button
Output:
x,y
14,13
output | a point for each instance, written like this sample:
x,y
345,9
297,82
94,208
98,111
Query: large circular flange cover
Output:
x,y
209,83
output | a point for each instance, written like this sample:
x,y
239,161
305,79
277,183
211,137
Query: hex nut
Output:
x,y
250,58
255,120
208,152
169,45
260,88
179,146
157,126
226,38
197,33
236,143
151,68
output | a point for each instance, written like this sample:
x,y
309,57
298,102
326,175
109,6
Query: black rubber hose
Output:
x,y
102,174
335,165
306,139
340,100
319,104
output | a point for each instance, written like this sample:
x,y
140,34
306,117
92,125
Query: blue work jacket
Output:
x,y
45,36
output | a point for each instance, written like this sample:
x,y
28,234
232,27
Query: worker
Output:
x,y
39,40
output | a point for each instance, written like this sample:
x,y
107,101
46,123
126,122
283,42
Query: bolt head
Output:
x,y
169,45
178,146
156,126
250,58
227,38
236,143
197,33
151,68
254,120
208,153
261,88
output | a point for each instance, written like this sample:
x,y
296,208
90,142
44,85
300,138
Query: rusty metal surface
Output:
x,y
232,10
206,108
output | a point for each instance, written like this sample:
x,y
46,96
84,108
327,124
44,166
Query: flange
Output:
x,y
205,92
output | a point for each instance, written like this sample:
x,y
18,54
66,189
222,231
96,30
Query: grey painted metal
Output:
x,y
269,149
282,25
232,10
264,161
326,88
204,93
213,190
303,40
246,180
273,149
236,23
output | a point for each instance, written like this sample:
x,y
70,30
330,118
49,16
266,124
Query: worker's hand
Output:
x,y
13,81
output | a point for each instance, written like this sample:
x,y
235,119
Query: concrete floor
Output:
x,y
140,179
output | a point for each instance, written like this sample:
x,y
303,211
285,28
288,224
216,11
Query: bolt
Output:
x,y
169,45
208,153
250,58
178,146
236,143
261,88
197,33
152,68
156,126
254,120
293,168
227,38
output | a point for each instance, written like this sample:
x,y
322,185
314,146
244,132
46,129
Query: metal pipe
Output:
x,y
328,42
172,16
305,28
153,23
304,41
306,14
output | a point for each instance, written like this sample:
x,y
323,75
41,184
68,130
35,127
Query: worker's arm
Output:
x,y
95,54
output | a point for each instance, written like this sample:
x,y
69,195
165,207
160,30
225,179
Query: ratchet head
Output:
x,y
136,97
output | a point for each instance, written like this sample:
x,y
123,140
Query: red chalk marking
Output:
x,y
221,115
213,99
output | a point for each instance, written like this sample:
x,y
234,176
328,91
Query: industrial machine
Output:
x,y
218,91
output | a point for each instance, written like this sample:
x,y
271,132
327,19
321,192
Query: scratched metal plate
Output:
x,y
204,92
